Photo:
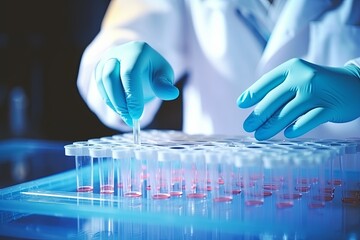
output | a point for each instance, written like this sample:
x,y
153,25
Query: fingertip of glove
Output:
x,y
243,100
247,127
251,123
291,132
165,90
260,136
173,93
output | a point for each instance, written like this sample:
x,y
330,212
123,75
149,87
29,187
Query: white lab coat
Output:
x,y
222,56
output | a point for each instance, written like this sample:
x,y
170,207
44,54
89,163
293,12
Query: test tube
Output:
x,y
350,174
219,169
122,158
130,173
303,161
83,164
193,162
103,155
159,174
252,176
320,192
177,171
236,173
337,163
283,168
273,178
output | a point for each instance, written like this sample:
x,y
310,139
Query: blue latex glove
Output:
x,y
299,96
132,74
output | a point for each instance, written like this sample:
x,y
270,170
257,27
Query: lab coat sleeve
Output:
x,y
159,23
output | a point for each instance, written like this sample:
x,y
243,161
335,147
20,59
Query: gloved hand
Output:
x,y
132,74
299,96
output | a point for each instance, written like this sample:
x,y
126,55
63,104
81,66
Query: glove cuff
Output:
x,y
354,69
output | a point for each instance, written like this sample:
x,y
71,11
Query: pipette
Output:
x,y
136,131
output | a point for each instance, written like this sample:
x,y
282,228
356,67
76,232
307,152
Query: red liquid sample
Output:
x,y
303,181
336,182
196,195
283,205
235,192
267,194
107,189
85,189
327,190
252,203
316,205
242,184
303,189
325,197
132,194
223,199
271,187
176,194
161,196
351,200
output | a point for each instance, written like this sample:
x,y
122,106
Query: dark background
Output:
x,y
41,43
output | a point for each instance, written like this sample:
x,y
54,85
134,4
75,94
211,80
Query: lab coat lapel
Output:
x,y
295,17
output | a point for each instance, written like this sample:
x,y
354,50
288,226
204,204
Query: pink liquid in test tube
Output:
x,y
84,165
103,154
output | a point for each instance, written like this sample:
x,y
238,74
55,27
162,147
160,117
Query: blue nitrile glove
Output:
x,y
299,96
132,74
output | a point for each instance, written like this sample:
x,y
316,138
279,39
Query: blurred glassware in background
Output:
x,y
18,111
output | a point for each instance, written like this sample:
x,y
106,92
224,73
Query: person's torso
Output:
x,y
226,55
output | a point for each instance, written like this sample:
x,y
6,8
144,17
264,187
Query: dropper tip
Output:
x,y
136,131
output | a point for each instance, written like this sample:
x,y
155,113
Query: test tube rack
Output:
x,y
173,164
180,186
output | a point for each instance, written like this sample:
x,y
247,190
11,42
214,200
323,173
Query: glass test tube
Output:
x,y
122,158
219,169
318,193
325,185
159,174
303,165
273,179
132,174
350,186
236,173
193,162
337,163
103,155
285,167
177,180
84,166
252,176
